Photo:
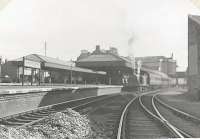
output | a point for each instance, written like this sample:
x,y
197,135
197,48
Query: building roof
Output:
x,y
104,60
52,65
100,57
54,60
31,57
127,59
57,63
41,58
110,57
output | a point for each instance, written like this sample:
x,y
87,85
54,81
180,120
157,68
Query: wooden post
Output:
x,y
18,77
71,75
110,82
32,76
23,71
39,76
71,71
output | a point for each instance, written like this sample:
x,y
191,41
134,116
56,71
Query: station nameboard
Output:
x,y
32,64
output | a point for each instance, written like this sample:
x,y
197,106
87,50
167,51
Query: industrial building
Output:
x,y
36,69
194,53
163,64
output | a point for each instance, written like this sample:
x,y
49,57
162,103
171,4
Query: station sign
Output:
x,y
32,64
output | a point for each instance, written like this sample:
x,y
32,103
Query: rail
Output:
x,y
170,126
119,131
46,107
177,110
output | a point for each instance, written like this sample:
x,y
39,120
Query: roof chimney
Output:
x,y
97,50
97,47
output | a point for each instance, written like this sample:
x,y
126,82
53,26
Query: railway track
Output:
x,y
34,116
140,119
191,126
107,115
184,123
180,112
142,116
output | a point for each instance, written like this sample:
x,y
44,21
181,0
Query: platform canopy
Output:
x,y
49,62
104,60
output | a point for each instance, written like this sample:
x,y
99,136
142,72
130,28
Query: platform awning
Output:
x,y
69,68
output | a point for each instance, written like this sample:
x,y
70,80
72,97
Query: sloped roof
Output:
x,y
54,60
41,58
59,66
109,57
32,57
100,57
57,63
126,59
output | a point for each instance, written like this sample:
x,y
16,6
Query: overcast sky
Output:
x,y
157,27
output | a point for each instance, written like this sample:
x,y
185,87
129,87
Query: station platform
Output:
x,y
16,99
16,88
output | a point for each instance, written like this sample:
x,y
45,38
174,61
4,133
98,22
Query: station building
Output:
x,y
36,69
118,68
114,65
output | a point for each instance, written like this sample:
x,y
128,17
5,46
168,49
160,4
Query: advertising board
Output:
x,y
32,64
